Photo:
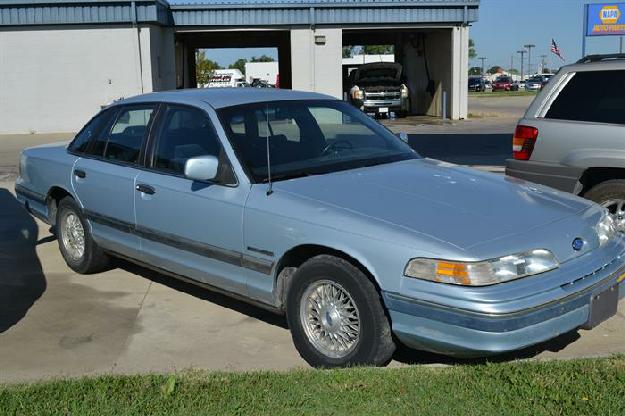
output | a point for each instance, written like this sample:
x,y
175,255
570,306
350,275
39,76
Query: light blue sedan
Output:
x,y
303,205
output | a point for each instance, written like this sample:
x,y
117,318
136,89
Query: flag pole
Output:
x,y
585,31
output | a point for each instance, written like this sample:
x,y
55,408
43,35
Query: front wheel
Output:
x,y
336,315
79,250
611,195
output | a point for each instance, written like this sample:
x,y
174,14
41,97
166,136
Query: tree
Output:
x,y
472,50
239,64
262,58
476,70
495,70
513,71
204,67
348,51
378,49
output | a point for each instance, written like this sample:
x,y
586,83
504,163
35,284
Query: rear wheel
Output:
x,y
79,250
611,195
336,315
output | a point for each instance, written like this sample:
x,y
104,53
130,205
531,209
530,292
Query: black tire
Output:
x,y
93,260
374,345
605,191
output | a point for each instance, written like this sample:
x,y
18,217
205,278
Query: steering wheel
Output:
x,y
337,145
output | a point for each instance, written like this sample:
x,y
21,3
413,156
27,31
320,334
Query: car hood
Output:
x,y
457,205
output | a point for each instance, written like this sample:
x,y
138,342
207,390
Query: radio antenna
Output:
x,y
270,184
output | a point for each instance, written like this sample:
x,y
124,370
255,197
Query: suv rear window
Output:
x,y
597,97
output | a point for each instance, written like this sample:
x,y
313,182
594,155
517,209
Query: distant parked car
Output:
x,y
301,204
477,84
504,83
535,83
546,78
488,84
572,137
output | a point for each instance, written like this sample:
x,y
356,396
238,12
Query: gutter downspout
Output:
x,y
133,8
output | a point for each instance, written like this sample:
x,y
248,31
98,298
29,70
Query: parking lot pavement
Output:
x,y
54,322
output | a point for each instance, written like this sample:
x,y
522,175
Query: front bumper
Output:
x,y
467,333
564,178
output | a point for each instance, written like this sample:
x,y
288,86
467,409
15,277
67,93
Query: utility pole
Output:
x,y
522,52
482,59
543,63
529,57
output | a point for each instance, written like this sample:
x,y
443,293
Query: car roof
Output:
x,y
223,97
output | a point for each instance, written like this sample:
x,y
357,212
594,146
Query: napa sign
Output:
x,y
605,19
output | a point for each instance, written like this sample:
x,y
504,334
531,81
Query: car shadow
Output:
x,y
410,356
22,281
464,149
202,293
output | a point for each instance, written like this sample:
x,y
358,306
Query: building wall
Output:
x,y
54,80
317,67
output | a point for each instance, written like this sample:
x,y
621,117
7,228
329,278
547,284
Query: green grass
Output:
x,y
490,94
592,387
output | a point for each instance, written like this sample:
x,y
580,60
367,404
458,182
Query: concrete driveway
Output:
x,y
129,320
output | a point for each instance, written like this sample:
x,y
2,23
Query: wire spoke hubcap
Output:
x,y
617,209
330,318
73,236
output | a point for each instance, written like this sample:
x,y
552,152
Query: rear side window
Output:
x,y
90,132
597,97
124,141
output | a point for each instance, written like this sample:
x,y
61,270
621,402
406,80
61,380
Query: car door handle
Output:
x,y
80,173
146,189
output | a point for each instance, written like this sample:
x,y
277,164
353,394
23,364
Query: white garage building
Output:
x,y
61,61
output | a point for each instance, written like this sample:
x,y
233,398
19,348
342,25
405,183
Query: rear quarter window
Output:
x,y
597,96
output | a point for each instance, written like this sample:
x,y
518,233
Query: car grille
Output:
x,y
384,95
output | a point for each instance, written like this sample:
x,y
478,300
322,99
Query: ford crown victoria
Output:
x,y
303,205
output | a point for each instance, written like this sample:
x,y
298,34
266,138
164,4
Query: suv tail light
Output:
x,y
523,142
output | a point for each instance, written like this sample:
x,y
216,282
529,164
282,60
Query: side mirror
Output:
x,y
201,168
403,136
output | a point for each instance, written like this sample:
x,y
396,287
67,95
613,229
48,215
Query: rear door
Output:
x,y
187,227
104,178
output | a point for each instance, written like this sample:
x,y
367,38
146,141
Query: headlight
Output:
x,y
357,93
483,273
404,91
605,228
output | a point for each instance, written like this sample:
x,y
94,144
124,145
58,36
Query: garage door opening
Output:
x,y
425,57
234,58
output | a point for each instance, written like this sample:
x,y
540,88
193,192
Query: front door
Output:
x,y
186,227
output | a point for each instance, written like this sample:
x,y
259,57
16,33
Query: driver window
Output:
x,y
185,133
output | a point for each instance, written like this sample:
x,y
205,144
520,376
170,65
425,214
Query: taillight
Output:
x,y
523,142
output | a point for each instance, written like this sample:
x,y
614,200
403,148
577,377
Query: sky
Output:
x,y
503,28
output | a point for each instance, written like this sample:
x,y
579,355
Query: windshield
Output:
x,y
308,138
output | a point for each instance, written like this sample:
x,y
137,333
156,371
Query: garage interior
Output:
x,y
426,57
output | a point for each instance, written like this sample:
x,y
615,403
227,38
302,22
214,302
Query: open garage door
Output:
x,y
432,61
190,41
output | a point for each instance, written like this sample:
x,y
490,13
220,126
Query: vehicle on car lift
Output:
x,y
572,137
379,88
301,204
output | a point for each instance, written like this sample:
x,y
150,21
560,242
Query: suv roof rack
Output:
x,y
599,58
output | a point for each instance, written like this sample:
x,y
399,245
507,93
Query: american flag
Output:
x,y
555,49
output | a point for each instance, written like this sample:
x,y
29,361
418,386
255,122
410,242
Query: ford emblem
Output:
x,y
578,244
